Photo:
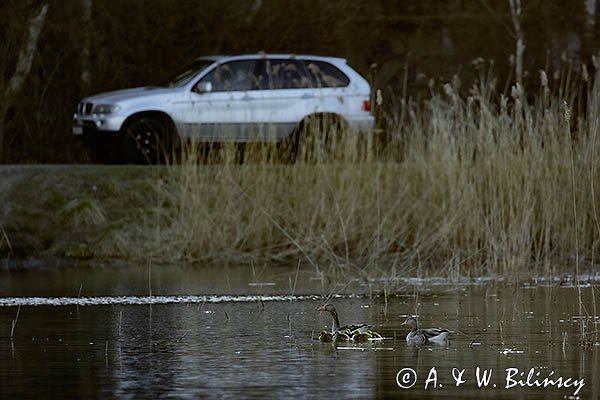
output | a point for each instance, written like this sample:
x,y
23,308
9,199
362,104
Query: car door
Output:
x,y
220,105
283,97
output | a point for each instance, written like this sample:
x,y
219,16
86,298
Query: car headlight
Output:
x,y
106,108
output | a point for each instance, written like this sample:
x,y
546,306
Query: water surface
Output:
x,y
237,333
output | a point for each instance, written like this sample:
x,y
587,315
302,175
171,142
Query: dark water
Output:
x,y
241,343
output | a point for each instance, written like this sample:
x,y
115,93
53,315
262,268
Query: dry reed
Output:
x,y
467,183
475,184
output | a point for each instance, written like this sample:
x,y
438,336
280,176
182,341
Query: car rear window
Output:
x,y
326,75
283,74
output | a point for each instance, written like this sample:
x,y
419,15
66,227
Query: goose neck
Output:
x,y
336,322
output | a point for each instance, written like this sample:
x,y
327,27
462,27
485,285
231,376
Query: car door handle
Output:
x,y
306,96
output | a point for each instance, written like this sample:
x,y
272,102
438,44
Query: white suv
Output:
x,y
244,98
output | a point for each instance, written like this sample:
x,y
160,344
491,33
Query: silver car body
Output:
x,y
256,114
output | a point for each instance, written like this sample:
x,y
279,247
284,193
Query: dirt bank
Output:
x,y
65,210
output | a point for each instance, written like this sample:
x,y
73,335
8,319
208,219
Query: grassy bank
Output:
x,y
481,184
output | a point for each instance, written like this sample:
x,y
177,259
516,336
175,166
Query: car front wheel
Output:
x,y
147,141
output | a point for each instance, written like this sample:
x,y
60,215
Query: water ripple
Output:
x,y
144,300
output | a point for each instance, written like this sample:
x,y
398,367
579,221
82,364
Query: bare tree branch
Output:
x,y
22,69
516,13
85,53
27,52
493,13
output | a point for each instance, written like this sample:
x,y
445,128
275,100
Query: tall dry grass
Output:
x,y
480,183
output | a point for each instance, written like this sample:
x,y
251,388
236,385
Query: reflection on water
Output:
x,y
258,349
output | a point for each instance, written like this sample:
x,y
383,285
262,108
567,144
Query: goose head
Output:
x,y
331,310
412,322
327,307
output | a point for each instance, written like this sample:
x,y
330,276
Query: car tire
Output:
x,y
148,141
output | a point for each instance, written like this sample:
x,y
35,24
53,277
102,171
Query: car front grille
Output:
x,y
84,108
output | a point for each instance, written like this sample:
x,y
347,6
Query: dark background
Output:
x,y
140,42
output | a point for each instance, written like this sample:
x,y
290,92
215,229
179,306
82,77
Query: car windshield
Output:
x,y
184,75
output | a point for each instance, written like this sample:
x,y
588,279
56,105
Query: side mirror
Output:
x,y
204,87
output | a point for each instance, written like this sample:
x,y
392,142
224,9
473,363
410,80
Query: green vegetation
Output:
x,y
481,184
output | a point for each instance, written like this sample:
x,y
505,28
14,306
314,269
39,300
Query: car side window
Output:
x,y
326,75
231,76
283,74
